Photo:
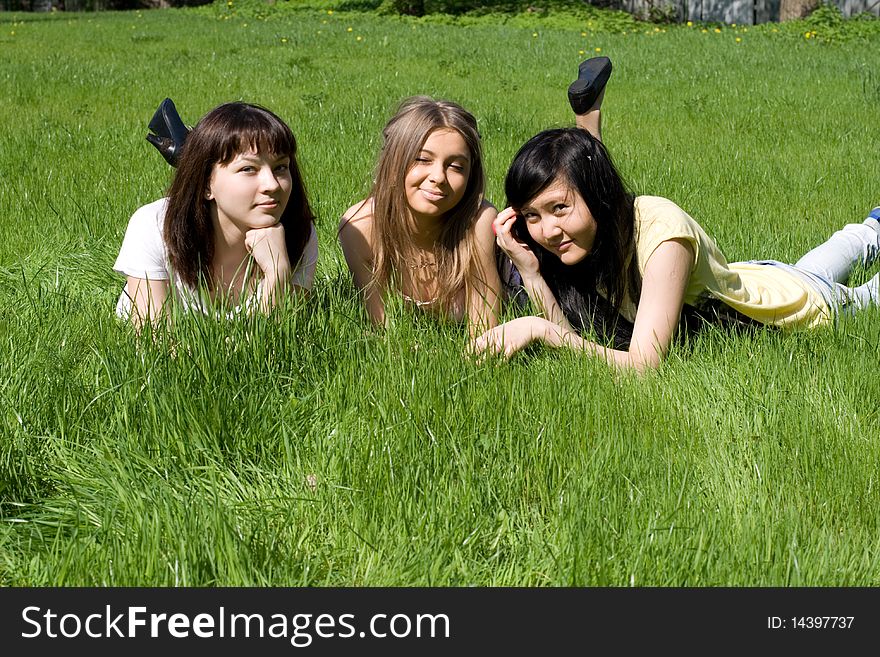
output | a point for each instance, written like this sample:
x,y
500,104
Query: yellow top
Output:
x,y
764,292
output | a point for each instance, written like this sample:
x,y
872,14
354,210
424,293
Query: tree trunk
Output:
x,y
794,9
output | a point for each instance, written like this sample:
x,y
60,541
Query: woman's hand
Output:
x,y
269,250
663,289
518,252
513,336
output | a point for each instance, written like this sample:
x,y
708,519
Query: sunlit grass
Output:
x,y
310,449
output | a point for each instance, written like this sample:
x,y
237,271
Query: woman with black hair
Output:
x,y
591,253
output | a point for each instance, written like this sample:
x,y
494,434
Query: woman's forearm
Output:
x,y
544,300
555,336
275,286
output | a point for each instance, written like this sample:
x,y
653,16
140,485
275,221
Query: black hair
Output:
x,y
592,291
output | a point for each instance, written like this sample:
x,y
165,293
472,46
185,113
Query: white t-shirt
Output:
x,y
143,255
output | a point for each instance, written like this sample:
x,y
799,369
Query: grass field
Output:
x,y
309,449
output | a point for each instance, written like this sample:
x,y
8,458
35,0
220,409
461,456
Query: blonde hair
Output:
x,y
404,136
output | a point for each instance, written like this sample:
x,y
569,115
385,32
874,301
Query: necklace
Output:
x,y
421,265
420,261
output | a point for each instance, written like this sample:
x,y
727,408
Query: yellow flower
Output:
x,y
329,12
283,40
717,30
733,25
349,30
360,38
738,40
806,35
598,50
583,34
580,52
690,24
534,34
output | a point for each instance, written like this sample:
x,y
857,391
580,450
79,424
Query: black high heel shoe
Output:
x,y
170,132
593,73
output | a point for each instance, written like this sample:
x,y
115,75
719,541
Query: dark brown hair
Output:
x,y
223,133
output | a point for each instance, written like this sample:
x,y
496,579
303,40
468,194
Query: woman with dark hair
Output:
x,y
235,231
590,254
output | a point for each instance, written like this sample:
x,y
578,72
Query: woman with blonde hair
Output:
x,y
425,231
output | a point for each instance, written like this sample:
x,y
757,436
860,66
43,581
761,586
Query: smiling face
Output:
x,y
250,191
438,178
559,220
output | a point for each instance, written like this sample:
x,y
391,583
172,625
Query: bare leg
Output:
x,y
585,95
592,120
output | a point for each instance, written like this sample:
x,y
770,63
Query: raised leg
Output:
x,y
592,120
585,94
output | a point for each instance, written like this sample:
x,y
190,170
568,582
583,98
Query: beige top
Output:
x,y
762,291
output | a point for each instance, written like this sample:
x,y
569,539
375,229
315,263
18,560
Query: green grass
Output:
x,y
309,449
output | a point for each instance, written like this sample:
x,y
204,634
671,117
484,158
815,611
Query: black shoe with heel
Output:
x,y
593,73
168,132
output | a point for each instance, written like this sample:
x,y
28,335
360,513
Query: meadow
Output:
x,y
311,449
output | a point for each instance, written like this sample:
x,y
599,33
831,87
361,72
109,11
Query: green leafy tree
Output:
x,y
409,7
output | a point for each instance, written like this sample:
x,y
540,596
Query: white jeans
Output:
x,y
833,261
